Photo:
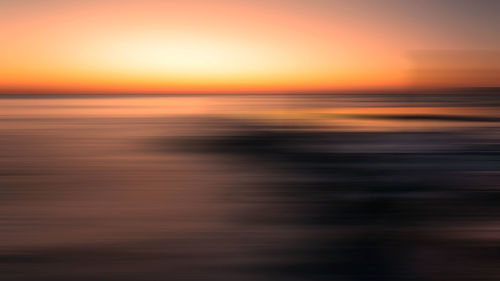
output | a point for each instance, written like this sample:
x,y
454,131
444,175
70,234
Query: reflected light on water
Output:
x,y
359,187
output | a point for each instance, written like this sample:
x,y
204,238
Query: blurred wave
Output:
x,y
303,187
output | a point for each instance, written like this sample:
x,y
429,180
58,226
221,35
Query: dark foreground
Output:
x,y
250,188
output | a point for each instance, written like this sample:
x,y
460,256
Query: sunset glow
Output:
x,y
214,46
249,140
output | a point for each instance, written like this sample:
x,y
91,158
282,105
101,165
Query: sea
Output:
x,y
250,187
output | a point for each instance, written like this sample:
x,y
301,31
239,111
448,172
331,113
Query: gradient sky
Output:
x,y
176,46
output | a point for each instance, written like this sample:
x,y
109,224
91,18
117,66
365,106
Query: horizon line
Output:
x,y
415,90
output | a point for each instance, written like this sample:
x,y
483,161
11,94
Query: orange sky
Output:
x,y
153,46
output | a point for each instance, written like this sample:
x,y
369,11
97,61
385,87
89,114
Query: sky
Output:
x,y
219,46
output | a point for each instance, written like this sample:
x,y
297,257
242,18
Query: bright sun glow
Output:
x,y
180,56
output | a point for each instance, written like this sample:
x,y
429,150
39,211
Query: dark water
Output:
x,y
332,187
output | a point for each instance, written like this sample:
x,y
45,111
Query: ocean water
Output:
x,y
221,187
